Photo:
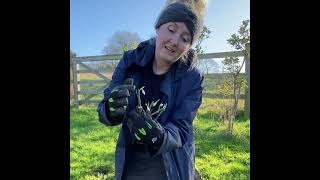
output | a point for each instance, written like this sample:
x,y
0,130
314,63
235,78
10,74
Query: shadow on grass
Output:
x,y
104,170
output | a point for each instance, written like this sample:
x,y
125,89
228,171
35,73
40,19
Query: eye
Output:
x,y
186,39
171,29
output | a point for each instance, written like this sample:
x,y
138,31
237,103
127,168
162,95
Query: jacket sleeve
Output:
x,y
179,128
117,78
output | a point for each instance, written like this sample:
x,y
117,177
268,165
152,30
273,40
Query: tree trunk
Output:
x,y
236,93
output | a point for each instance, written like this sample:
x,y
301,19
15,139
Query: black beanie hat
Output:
x,y
179,12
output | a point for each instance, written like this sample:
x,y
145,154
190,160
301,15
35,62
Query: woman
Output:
x,y
157,146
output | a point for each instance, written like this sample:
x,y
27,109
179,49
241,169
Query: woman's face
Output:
x,y
173,41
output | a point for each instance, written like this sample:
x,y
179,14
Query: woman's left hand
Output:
x,y
144,129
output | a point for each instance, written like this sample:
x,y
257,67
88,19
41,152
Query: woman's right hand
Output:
x,y
118,100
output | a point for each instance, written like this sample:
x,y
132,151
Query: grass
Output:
x,y
92,145
219,155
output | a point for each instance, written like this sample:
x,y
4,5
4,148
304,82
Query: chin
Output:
x,y
169,60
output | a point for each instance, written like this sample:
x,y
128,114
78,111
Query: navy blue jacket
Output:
x,y
182,87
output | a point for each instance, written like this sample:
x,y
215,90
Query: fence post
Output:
x,y
71,79
76,85
247,92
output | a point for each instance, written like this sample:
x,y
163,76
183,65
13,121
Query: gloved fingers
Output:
x,y
116,103
123,93
134,115
120,93
134,130
136,122
129,87
148,120
117,112
130,124
147,116
141,132
128,81
136,136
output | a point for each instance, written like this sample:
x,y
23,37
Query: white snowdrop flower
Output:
x,y
164,107
156,102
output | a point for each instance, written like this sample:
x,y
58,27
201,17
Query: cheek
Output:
x,y
163,36
184,48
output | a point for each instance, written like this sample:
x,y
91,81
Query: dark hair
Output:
x,y
180,12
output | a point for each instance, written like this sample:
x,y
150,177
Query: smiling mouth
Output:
x,y
169,49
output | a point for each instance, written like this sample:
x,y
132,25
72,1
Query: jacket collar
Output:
x,y
145,52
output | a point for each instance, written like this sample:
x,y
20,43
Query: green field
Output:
x,y
219,155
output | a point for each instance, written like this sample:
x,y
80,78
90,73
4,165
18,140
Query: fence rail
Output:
x,y
104,80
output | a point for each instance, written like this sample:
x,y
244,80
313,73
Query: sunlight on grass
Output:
x,y
219,155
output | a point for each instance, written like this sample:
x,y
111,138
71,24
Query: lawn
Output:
x,y
219,155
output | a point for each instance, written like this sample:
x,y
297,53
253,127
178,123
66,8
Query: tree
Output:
x,y
205,34
234,81
120,42
125,47
208,64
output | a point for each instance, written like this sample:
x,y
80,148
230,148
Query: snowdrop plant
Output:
x,y
150,106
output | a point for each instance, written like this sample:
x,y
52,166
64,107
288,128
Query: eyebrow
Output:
x,y
186,32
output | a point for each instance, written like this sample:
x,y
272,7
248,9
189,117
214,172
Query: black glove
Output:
x,y
144,129
118,100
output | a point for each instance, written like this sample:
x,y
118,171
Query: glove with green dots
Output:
x,y
118,100
144,129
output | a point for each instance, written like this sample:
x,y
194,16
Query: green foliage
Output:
x,y
241,41
235,82
125,47
205,34
225,88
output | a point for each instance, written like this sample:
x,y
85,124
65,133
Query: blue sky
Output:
x,y
93,22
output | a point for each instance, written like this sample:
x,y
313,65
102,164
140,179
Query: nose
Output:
x,y
174,40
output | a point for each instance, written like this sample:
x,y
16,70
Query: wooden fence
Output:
x,y
104,80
